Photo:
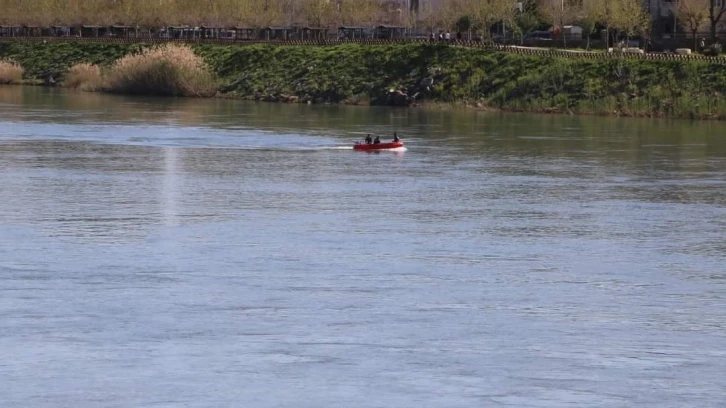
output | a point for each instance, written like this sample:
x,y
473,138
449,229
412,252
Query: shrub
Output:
x,y
358,99
86,77
712,50
169,70
10,72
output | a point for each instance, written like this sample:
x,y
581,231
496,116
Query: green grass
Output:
x,y
354,73
625,87
43,59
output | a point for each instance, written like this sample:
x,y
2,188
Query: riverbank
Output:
x,y
421,74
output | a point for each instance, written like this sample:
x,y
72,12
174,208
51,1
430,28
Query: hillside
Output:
x,y
423,73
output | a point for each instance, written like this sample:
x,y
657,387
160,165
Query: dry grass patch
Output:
x,y
10,72
169,70
86,77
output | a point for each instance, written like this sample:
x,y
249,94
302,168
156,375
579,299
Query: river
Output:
x,y
217,253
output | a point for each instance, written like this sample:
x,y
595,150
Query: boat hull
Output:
x,y
379,146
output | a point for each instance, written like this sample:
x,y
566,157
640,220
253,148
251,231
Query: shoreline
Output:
x,y
442,106
433,76
439,106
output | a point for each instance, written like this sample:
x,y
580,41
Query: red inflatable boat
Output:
x,y
378,146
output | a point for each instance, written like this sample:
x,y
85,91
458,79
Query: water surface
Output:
x,y
212,253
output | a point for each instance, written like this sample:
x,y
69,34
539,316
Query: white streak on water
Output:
x,y
170,189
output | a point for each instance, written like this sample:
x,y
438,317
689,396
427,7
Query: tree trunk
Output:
x,y
695,41
712,19
713,30
488,27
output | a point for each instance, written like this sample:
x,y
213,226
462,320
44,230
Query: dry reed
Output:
x,y
86,77
10,72
168,70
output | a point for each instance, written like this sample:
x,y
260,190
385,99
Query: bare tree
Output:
x,y
318,13
432,18
628,16
508,13
486,13
265,13
558,13
524,23
449,12
716,10
589,14
356,12
413,7
694,15
525,18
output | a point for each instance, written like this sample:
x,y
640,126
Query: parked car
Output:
x,y
539,35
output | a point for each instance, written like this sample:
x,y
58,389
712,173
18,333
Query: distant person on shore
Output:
x,y
432,37
377,140
369,140
703,45
448,36
458,36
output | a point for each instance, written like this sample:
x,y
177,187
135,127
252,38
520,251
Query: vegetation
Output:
x,y
588,17
127,68
693,15
86,77
217,13
483,14
10,72
716,10
474,77
628,17
556,14
424,73
168,70
54,59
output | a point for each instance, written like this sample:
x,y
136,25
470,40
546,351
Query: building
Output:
x,y
662,13
665,23
416,6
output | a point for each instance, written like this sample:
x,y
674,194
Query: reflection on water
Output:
x,y
152,250
170,191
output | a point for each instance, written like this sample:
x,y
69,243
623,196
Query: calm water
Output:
x,y
184,253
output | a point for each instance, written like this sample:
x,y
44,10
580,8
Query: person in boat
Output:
x,y
369,140
377,140
396,138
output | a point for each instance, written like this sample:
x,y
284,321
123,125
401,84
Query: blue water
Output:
x,y
173,253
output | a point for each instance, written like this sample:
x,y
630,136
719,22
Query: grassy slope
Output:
x,y
496,79
55,59
502,80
